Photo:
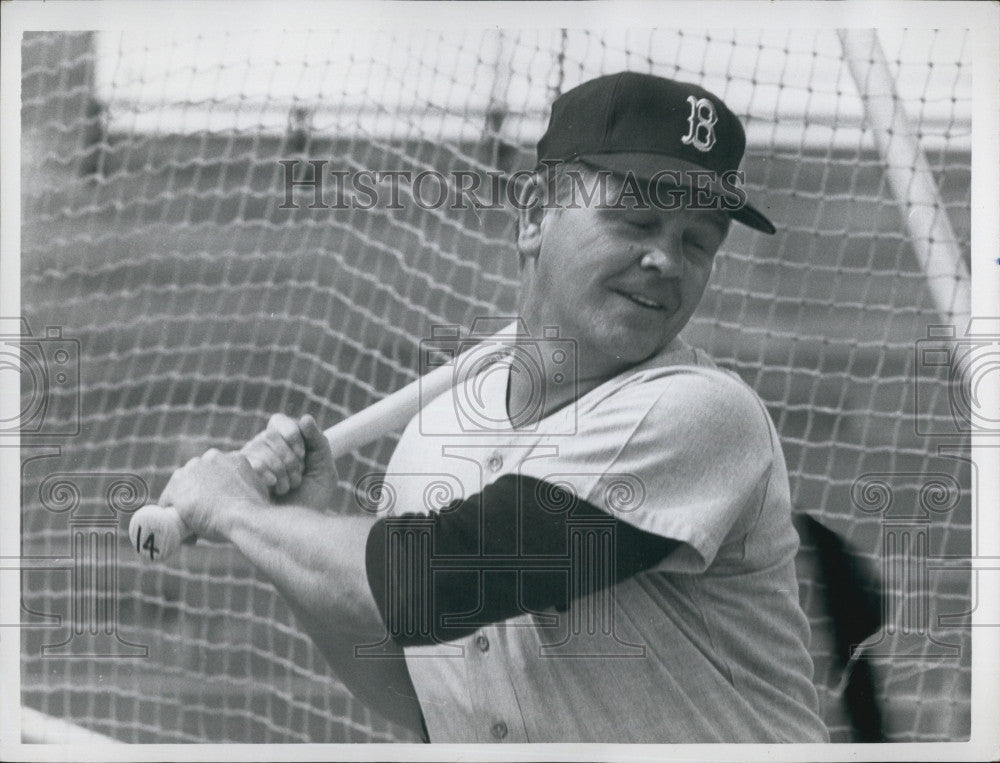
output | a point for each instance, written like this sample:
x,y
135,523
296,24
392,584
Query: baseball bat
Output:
x,y
157,531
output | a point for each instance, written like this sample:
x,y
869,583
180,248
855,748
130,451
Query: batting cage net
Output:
x,y
182,280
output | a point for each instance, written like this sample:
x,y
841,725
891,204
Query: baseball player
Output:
x,y
597,550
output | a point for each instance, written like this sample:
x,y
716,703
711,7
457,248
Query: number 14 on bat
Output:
x,y
148,545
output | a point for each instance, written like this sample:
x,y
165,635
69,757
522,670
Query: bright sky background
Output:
x,y
440,84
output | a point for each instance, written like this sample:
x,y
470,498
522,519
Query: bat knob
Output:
x,y
156,532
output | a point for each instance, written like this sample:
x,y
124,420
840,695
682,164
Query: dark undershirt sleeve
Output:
x,y
520,546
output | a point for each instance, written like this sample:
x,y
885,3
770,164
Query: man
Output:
x,y
614,562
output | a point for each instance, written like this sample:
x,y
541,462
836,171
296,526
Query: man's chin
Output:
x,y
635,347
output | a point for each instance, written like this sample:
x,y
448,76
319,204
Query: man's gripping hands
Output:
x,y
291,458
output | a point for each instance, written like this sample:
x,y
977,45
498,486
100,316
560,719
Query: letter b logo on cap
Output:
x,y
701,124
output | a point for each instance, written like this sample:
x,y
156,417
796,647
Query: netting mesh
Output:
x,y
152,233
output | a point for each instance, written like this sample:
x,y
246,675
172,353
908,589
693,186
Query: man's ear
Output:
x,y
529,219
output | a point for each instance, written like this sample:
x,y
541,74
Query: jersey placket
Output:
x,y
496,708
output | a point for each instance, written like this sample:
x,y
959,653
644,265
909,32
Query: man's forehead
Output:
x,y
583,185
714,217
630,192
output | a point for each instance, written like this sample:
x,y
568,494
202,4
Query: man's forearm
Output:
x,y
316,561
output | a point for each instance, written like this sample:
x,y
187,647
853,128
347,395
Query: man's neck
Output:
x,y
541,384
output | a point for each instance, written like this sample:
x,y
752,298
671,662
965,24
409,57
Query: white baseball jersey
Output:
x,y
710,645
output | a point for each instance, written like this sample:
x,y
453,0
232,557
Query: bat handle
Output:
x,y
157,532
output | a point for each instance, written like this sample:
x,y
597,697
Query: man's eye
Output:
x,y
641,224
696,243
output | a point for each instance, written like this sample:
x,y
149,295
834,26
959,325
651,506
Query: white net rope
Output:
x,y
152,234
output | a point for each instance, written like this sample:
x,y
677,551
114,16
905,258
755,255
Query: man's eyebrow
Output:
x,y
721,221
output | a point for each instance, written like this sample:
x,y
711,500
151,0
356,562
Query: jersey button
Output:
x,y
483,643
495,463
499,730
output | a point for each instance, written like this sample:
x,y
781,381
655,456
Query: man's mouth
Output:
x,y
645,302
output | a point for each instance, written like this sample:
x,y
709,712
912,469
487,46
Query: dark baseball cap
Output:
x,y
643,124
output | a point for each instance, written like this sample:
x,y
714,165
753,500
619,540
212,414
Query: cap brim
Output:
x,y
647,166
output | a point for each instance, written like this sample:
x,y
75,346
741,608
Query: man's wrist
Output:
x,y
234,515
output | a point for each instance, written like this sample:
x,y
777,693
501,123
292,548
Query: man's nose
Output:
x,y
665,261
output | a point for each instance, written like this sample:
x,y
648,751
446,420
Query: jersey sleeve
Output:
x,y
419,598
686,456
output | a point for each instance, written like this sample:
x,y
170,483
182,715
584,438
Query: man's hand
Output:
x,y
317,488
278,453
207,490
293,458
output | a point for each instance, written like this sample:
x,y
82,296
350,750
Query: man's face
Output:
x,y
621,282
